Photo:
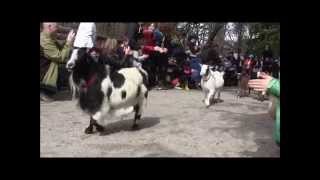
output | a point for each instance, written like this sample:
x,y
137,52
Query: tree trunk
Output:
x,y
215,30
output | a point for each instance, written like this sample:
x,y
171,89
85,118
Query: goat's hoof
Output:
x,y
134,127
219,100
100,128
88,130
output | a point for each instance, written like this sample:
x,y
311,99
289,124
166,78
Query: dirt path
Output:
x,y
175,123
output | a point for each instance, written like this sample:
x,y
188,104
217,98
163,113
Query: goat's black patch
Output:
x,y
145,78
138,91
207,72
109,92
123,94
117,79
137,117
90,98
136,108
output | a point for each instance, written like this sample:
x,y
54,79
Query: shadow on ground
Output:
x,y
266,149
125,125
260,125
63,96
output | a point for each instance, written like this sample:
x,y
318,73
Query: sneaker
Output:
x,y
156,87
177,87
186,88
45,98
162,88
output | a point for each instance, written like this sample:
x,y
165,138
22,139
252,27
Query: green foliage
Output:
x,y
261,34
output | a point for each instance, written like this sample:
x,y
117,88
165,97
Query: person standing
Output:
x,y
52,52
267,56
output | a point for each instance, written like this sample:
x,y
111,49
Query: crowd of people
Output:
x,y
172,58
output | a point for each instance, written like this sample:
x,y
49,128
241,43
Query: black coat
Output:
x,y
210,57
267,54
133,35
116,63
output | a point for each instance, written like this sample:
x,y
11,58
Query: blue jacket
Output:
x,y
158,36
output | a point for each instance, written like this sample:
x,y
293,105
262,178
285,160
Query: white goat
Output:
x,y
211,83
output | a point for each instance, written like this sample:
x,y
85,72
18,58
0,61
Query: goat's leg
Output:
x,y
138,108
98,117
94,123
137,116
205,95
74,91
214,99
72,87
209,97
219,99
89,129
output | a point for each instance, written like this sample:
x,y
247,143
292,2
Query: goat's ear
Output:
x,y
208,69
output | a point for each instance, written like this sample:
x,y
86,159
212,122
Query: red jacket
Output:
x,y
149,42
248,63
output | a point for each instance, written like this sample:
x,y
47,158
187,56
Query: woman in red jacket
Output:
x,y
149,45
151,52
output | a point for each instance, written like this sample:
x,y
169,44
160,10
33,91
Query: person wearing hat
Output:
x,y
55,55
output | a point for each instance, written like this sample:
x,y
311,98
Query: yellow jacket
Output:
x,y
54,54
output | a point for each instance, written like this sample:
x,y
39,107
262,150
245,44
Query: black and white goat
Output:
x,y
211,83
102,92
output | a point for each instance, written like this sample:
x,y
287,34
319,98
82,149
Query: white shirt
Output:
x,y
86,35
